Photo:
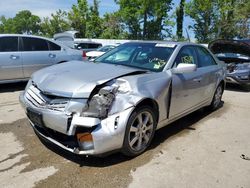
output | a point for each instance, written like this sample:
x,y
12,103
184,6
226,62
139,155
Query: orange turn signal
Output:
x,y
84,137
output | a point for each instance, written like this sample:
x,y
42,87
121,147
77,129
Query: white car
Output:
x,y
100,51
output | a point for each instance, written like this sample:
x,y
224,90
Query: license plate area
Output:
x,y
35,117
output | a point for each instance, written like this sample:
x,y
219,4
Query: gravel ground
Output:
x,y
203,149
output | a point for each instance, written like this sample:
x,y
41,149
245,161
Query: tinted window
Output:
x,y
187,55
87,45
205,58
8,44
149,56
94,45
34,44
53,46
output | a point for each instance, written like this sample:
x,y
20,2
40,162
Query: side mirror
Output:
x,y
184,68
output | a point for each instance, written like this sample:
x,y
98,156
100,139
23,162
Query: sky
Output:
x,y
44,8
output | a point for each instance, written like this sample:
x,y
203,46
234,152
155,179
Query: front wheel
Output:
x,y
139,131
215,104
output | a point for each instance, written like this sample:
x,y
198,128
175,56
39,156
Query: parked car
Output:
x,y
87,46
119,101
91,55
236,54
21,55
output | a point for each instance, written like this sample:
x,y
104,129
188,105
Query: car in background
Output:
x,y
119,101
236,54
21,55
87,46
91,55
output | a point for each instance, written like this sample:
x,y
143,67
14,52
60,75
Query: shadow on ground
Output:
x,y
237,88
178,128
4,88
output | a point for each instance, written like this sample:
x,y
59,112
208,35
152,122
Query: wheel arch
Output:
x,y
151,103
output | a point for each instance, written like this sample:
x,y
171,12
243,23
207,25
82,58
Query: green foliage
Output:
x,y
23,22
225,19
202,12
140,19
145,19
94,22
179,19
242,15
7,25
78,17
56,24
112,27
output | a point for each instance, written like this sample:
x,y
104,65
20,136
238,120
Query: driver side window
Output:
x,y
187,55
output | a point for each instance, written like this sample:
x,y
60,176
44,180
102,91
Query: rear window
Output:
x,y
205,58
8,44
34,44
87,45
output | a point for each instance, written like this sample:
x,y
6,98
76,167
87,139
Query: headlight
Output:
x,y
101,102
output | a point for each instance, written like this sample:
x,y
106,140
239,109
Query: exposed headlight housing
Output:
x,y
101,102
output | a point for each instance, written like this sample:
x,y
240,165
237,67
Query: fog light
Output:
x,y
85,141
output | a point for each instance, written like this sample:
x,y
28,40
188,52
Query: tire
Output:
x,y
139,131
215,104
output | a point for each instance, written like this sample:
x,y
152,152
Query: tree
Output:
x,y
7,25
179,19
145,19
203,14
94,22
26,22
225,20
112,27
56,24
243,19
78,17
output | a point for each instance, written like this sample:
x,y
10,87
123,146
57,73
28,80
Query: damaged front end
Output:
x,y
236,54
83,126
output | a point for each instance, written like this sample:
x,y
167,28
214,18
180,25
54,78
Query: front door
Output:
x,y
186,87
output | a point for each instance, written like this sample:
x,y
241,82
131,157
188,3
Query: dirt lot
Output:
x,y
203,149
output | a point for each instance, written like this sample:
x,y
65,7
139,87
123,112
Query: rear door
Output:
x,y
186,87
36,55
210,70
10,58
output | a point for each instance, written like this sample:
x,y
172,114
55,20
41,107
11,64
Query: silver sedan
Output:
x,y
117,102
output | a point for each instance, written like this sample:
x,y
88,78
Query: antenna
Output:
x,y
188,35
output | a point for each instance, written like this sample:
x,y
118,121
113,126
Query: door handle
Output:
x,y
52,55
197,79
14,57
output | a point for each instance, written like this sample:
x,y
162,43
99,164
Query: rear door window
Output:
x,y
8,44
205,58
34,44
53,46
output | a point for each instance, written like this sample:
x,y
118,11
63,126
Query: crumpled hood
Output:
x,y
77,79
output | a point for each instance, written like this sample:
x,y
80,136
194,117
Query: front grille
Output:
x,y
40,100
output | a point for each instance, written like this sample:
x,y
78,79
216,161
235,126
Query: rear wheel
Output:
x,y
215,104
139,131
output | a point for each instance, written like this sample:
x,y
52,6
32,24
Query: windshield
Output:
x,y
149,56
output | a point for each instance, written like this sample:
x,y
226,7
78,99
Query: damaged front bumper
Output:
x,y
238,78
79,135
